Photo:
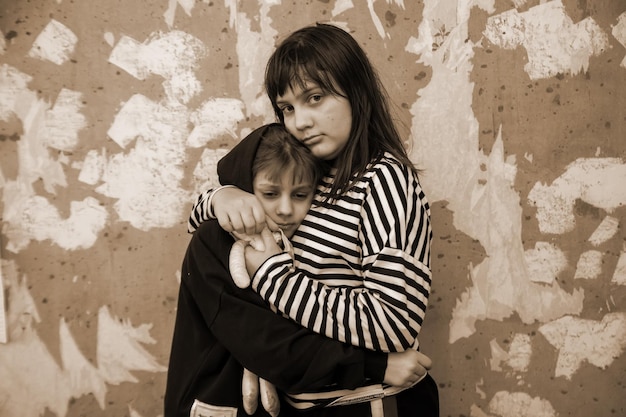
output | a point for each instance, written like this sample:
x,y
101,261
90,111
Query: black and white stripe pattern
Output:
x,y
361,272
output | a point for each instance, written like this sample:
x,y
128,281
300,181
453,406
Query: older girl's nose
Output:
x,y
302,119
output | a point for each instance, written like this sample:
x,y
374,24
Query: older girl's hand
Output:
x,y
238,211
406,368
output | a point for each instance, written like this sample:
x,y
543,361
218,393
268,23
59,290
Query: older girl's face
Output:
x,y
320,120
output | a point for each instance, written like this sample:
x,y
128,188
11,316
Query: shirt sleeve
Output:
x,y
295,359
201,211
386,311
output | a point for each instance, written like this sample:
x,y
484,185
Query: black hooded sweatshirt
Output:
x,y
220,328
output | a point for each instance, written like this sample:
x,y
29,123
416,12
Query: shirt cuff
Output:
x,y
210,200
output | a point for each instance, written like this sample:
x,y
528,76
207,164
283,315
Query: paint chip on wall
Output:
x,y
55,43
619,276
619,32
64,121
553,42
215,117
589,265
173,55
597,181
545,262
605,231
581,340
520,404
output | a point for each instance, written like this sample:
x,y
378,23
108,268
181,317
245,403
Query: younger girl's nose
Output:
x,y
284,208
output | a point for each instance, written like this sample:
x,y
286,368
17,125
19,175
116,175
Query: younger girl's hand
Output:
x,y
255,258
406,368
238,211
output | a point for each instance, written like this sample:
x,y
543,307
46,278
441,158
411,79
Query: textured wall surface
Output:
x,y
114,113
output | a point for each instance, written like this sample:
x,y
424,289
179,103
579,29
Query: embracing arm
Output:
x,y
273,347
382,305
235,210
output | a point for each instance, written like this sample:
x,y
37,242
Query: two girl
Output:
x,y
361,268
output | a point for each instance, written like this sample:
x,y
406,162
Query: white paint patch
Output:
x,y
380,28
216,117
479,188
553,42
605,231
120,349
498,356
580,340
619,33
26,355
109,38
619,276
517,358
14,94
170,13
520,353
82,377
133,413
173,55
589,265
92,167
3,44
119,352
597,181
545,262
64,121
56,43
205,173
3,316
35,218
341,6
253,52
27,216
147,179
520,404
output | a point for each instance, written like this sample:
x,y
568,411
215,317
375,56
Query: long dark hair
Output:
x,y
331,58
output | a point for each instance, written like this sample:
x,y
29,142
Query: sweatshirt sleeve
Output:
x,y
385,303
275,348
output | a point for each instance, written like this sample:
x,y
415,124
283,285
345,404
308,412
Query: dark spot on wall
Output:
x,y
390,17
420,76
10,35
582,208
13,137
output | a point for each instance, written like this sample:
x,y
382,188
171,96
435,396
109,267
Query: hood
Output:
x,y
235,168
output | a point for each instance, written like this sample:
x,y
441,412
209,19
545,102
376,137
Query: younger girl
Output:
x,y
220,328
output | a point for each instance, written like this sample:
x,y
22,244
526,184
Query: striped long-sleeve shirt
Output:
x,y
361,272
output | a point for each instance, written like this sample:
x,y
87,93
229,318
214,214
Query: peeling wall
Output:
x,y
114,113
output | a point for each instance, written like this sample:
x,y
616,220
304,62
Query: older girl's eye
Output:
x,y
316,98
286,109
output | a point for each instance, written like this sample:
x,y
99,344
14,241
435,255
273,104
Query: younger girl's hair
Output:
x,y
280,152
331,58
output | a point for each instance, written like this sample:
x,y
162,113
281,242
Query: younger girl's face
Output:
x,y
321,120
284,200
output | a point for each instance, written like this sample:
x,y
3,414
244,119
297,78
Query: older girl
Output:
x,y
361,272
